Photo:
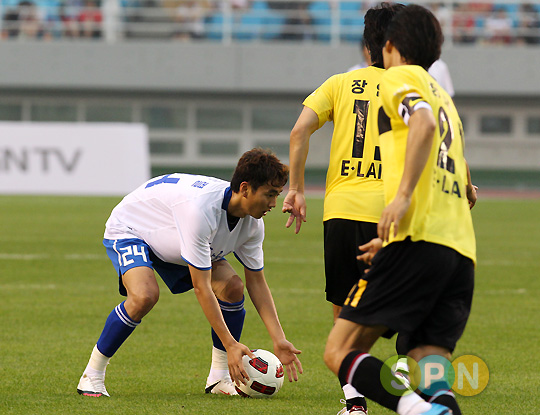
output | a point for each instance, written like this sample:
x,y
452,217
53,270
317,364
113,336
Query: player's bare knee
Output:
x,y
234,290
330,361
333,357
142,303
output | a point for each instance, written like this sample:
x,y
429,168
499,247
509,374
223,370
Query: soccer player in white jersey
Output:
x,y
182,226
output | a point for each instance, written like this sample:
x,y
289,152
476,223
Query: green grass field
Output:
x,y
57,287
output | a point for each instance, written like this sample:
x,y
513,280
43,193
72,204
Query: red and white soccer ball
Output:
x,y
265,375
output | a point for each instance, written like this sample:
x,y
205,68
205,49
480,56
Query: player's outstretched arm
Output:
x,y
261,298
207,299
295,202
419,140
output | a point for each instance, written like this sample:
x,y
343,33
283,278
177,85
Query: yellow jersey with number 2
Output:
x,y
354,188
439,210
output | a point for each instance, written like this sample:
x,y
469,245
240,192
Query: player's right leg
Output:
x,y
140,285
229,290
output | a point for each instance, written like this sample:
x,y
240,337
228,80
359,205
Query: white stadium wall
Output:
x,y
72,159
241,68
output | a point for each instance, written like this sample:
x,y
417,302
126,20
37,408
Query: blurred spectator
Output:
x,y
137,14
31,26
529,25
190,17
24,22
443,15
10,24
297,19
464,24
90,20
69,11
240,4
498,27
481,7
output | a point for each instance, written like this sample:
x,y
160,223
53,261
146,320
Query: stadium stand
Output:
x,y
324,21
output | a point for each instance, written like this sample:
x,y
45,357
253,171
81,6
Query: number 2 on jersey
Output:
x,y
447,135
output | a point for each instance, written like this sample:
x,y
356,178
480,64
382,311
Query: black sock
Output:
x,y
357,401
364,372
445,398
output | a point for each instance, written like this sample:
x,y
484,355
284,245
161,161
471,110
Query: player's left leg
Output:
x,y
355,402
342,237
229,290
347,355
443,328
440,392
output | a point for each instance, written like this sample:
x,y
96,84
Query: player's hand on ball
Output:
x,y
287,354
236,366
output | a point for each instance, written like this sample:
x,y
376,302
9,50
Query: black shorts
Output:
x,y
342,237
419,289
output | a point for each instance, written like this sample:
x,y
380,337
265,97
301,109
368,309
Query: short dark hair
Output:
x,y
259,167
376,21
417,35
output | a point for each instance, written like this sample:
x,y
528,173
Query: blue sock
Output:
x,y
233,314
118,327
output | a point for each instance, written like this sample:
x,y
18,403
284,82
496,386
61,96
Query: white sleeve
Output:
x,y
250,253
195,230
439,71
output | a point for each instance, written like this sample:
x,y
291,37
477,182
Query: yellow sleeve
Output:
x,y
401,91
322,100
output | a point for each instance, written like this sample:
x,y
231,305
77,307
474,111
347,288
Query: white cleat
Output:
x,y
355,410
223,386
92,386
358,410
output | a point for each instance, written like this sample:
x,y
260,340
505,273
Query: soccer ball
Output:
x,y
265,375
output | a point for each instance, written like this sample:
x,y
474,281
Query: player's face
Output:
x,y
261,201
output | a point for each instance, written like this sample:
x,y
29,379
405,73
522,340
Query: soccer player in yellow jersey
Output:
x,y
354,196
421,282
